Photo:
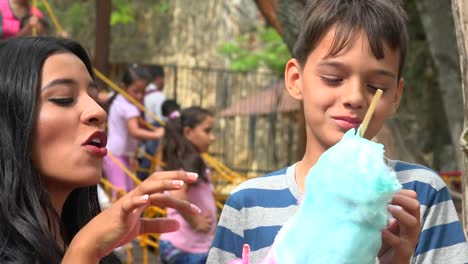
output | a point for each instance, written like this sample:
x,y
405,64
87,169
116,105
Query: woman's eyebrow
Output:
x,y
58,82
68,81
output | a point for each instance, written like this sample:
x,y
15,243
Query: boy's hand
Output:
x,y
402,234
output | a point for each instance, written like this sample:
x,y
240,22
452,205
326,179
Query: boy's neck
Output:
x,y
302,168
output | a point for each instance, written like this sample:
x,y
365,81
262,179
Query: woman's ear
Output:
x,y
292,79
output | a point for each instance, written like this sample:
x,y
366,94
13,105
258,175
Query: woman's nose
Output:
x,y
93,113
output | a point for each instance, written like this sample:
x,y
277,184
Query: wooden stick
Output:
x,y
369,113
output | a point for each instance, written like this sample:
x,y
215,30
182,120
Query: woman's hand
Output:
x,y
122,222
401,236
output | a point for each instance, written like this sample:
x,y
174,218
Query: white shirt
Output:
x,y
153,101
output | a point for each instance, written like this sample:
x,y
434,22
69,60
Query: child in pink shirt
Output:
x,y
10,22
187,136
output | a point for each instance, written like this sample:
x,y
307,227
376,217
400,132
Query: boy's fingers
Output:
x,y
393,226
391,239
384,248
404,218
409,193
409,204
158,225
408,224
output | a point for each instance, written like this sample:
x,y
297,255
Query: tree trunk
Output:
x,y
460,15
268,10
441,39
102,37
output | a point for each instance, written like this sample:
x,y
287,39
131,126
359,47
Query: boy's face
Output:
x,y
337,90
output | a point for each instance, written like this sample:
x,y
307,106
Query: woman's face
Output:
x,y
68,140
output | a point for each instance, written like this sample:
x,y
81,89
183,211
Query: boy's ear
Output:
x,y
292,79
398,94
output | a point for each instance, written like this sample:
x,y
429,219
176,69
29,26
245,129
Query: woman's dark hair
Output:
x,y
384,21
178,151
26,214
132,74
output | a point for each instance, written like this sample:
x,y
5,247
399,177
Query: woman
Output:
x,y
51,149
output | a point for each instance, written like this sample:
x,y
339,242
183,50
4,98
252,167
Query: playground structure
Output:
x,y
223,176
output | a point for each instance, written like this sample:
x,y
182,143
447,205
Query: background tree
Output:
x,y
460,15
419,132
263,47
441,39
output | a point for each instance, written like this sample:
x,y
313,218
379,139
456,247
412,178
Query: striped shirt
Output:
x,y
257,209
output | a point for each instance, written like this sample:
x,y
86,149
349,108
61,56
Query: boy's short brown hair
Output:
x,y
384,21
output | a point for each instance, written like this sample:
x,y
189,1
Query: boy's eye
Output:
x,y
62,101
374,88
331,80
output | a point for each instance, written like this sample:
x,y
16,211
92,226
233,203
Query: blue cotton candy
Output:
x,y
344,208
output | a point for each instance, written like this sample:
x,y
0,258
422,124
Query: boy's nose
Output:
x,y
353,95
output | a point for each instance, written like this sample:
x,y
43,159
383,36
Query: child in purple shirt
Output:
x,y
123,129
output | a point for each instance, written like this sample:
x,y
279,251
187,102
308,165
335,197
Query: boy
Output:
x,y
345,51
154,96
153,100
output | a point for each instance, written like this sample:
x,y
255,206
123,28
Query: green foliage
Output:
x,y
41,6
123,12
263,47
75,13
162,7
72,17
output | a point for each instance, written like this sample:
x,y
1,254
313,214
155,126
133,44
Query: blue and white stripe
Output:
x,y
258,208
